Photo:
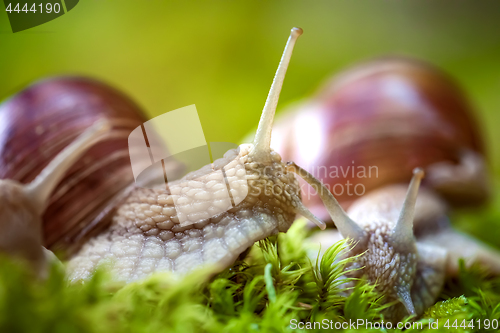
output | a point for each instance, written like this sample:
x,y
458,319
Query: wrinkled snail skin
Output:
x,y
438,246
146,234
412,270
139,230
381,226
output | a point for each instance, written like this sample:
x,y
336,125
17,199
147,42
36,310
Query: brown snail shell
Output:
x,y
38,122
391,114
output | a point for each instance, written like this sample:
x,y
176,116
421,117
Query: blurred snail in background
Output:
x,y
372,125
365,131
65,169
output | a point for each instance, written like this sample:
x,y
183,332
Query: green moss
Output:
x,y
447,308
275,284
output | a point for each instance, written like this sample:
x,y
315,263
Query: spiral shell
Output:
x,y
38,122
373,124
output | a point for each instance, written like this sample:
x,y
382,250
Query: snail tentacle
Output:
x,y
347,227
405,298
302,210
262,141
402,234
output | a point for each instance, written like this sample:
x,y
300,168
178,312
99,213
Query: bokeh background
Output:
x,y
221,55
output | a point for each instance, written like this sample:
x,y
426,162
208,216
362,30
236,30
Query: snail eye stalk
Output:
x,y
262,142
402,233
347,227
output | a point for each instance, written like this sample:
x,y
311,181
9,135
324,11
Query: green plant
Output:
x,y
275,285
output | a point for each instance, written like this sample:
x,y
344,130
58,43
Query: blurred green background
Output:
x,y
221,55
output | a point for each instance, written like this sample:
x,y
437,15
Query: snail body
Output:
x,y
146,235
394,114
402,241
146,232
149,233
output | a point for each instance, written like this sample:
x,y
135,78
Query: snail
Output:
x,y
393,114
373,124
137,231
